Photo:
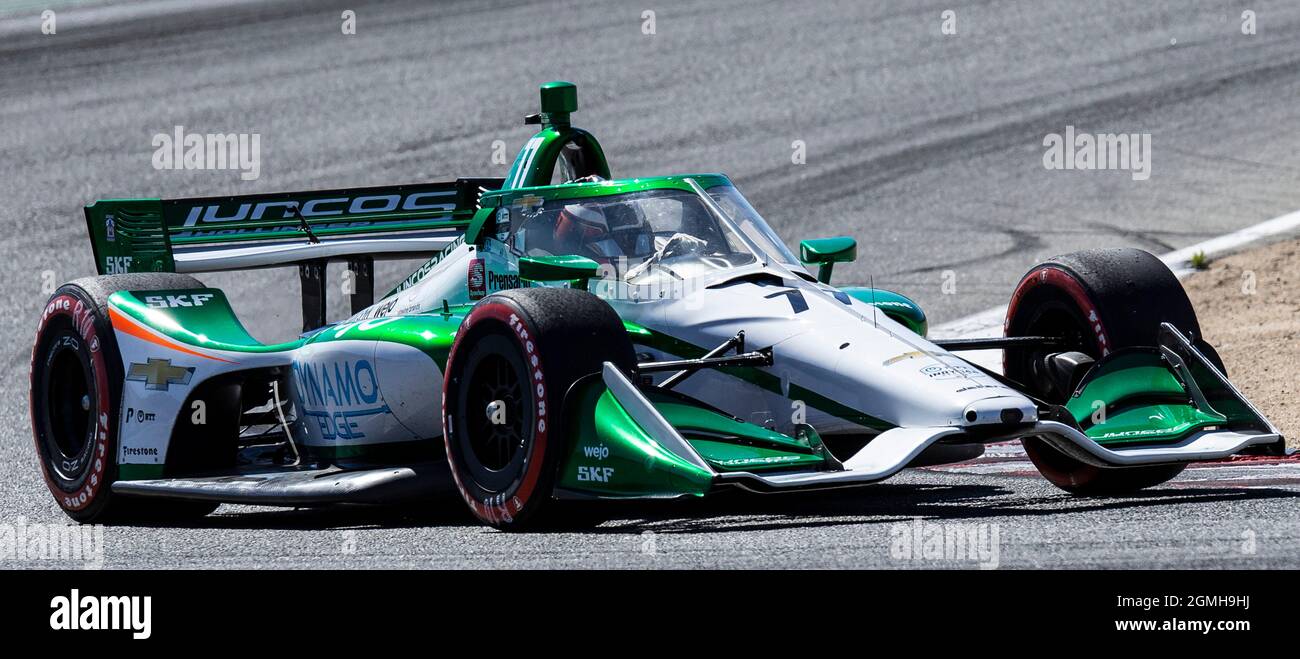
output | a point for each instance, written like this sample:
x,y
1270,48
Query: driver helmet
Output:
x,y
579,227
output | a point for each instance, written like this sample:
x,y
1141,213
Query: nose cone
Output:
x,y
837,355
882,369
1005,410
915,383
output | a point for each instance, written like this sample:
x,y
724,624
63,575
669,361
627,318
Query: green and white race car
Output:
x,y
578,337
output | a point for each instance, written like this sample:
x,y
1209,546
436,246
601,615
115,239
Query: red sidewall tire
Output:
x,y
497,508
1059,469
78,310
1057,278
1101,290
550,338
85,496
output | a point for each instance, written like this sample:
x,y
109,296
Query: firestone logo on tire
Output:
x,y
84,495
536,365
60,303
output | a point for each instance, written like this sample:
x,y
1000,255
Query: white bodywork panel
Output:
x,y
824,342
143,440
344,392
357,392
214,258
840,349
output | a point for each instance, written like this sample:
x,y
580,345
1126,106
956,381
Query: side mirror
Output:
x,y
570,268
826,252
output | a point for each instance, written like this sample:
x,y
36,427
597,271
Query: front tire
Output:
x,y
514,359
1100,301
75,395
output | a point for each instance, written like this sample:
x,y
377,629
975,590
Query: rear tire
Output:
x,y
516,354
1100,301
75,396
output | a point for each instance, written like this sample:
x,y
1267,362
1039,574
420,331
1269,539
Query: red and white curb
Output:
x,y
1241,471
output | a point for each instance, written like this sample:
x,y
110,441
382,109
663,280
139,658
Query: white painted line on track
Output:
x,y
988,323
1180,260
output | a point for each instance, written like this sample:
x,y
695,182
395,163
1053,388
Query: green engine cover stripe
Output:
x,y
431,333
212,325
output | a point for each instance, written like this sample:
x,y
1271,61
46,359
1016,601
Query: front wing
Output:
x,y
646,447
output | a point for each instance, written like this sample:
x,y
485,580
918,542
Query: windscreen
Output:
x,y
662,233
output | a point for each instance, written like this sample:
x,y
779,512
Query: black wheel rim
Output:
x,y
1054,319
70,409
495,379
496,394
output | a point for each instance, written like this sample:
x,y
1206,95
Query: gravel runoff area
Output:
x,y
1249,307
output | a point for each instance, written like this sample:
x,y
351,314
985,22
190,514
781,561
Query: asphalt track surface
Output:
x,y
926,147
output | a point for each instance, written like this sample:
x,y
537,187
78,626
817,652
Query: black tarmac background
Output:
x,y
927,147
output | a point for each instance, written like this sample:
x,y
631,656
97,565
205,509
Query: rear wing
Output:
x,y
307,229
208,234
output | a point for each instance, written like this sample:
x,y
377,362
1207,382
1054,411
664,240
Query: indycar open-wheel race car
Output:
x,y
578,337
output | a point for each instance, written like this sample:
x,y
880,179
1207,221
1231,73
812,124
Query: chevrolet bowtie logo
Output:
x,y
159,374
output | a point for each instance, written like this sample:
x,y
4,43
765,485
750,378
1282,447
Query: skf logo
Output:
x,y
477,279
174,301
595,474
159,374
117,265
